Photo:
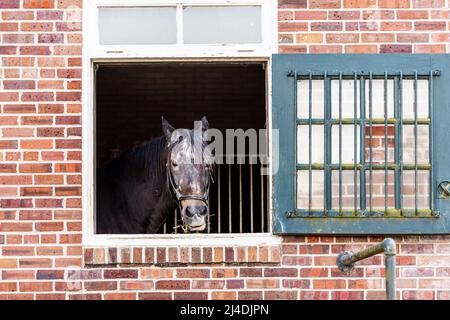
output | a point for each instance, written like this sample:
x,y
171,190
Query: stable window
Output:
x,y
181,60
132,97
363,142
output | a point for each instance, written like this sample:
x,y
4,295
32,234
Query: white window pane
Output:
x,y
347,189
317,148
348,144
317,189
422,144
379,188
317,98
220,24
408,98
348,94
378,98
137,25
423,189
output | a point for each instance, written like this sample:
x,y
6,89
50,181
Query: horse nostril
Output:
x,y
190,211
203,210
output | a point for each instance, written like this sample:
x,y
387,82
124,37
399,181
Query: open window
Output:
x,y
181,60
132,97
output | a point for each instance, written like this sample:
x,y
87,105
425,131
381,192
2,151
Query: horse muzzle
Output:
x,y
194,215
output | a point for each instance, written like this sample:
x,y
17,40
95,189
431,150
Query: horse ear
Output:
x,y
167,128
205,124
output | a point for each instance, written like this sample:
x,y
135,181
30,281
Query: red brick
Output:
x,y
281,295
172,284
191,295
324,4
35,50
393,3
120,296
412,37
395,48
38,4
36,144
283,4
100,285
326,26
137,285
36,191
428,3
10,4
359,3
155,296
120,274
412,14
344,15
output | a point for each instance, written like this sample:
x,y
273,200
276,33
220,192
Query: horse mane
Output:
x,y
146,157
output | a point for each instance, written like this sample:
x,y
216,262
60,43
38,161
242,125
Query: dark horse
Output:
x,y
139,189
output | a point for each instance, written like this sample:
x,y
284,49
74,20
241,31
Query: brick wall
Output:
x,y
41,255
363,26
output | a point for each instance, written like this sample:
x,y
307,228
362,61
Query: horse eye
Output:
x,y
174,164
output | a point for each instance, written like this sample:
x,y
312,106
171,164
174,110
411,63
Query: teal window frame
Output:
x,y
290,220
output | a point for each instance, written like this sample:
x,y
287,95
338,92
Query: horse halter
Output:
x,y
180,196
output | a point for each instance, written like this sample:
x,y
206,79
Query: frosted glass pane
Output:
x,y
144,25
317,189
317,149
378,98
423,139
423,189
348,143
317,99
348,95
348,189
220,24
379,188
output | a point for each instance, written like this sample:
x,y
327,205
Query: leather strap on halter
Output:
x,y
180,196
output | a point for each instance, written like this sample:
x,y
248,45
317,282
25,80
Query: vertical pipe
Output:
x,y
386,150
230,220
371,143
415,145
355,141
397,186
165,228
390,276
240,198
430,137
400,138
362,147
251,197
340,143
310,144
219,202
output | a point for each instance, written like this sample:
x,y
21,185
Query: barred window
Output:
x,y
363,144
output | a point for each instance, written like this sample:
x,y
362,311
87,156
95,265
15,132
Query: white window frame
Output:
x,y
94,53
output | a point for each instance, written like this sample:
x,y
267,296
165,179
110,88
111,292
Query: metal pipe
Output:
x,y
346,262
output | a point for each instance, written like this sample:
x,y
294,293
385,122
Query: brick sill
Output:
x,y
181,255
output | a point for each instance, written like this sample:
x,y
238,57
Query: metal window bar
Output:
x,y
238,202
397,166
340,142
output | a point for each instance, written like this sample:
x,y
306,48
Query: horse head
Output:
x,y
189,172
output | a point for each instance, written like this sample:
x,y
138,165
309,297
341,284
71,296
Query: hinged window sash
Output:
x,y
357,158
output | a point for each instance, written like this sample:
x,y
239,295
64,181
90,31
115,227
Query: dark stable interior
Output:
x,y
132,97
